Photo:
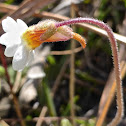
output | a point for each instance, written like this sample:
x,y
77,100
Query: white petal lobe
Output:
x,y
15,48
4,39
20,58
30,58
22,26
9,24
10,39
10,50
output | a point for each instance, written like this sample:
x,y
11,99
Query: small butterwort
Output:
x,y
21,40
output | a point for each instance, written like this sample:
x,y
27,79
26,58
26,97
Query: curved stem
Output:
x,y
114,48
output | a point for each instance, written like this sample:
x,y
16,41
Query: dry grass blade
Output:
x,y
3,123
84,84
120,38
66,52
107,100
72,72
58,79
42,114
5,8
17,82
46,119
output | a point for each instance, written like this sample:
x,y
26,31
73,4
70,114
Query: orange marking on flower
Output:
x,y
80,39
32,38
47,32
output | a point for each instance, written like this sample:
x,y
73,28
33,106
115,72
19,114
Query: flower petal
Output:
x,y
30,58
22,26
4,40
9,24
20,58
10,50
10,39
57,37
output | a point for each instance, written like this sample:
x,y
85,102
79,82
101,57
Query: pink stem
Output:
x,y
113,42
4,63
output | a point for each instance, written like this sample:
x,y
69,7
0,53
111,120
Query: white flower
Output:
x,y
15,48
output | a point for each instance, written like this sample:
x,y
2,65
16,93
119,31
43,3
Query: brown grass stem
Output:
x,y
72,72
42,114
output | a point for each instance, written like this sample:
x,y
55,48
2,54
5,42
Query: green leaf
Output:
x,y
28,117
9,1
2,71
48,96
51,60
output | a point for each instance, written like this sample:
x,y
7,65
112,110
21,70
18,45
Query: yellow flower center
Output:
x,y
31,37
37,34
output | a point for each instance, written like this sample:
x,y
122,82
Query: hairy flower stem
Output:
x,y
113,42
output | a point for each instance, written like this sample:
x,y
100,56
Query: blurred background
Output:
x,y
65,85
